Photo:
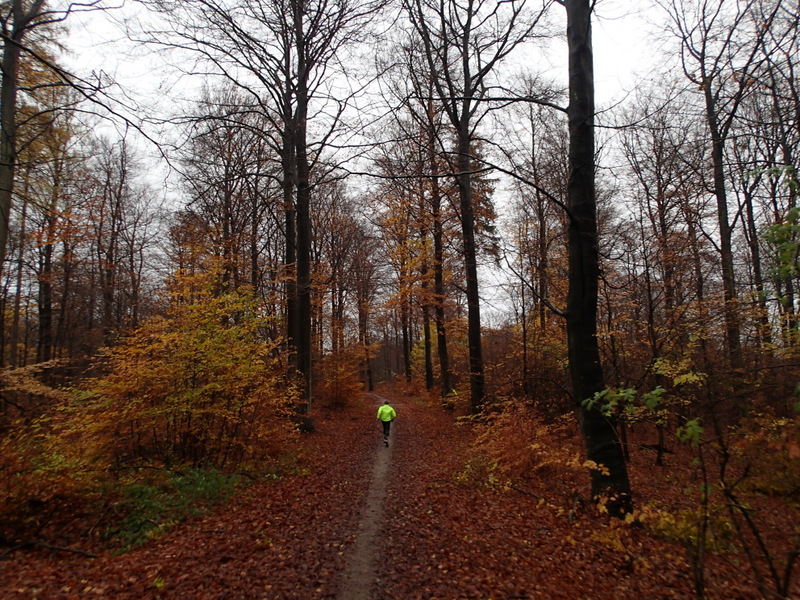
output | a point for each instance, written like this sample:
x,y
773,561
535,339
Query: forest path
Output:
x,y
352,520
362,573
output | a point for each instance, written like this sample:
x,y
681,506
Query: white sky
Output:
x,y
624,52
622,48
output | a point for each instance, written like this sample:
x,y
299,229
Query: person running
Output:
x,y
386,415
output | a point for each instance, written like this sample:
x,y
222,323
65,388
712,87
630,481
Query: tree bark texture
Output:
x,y
732,333
302,180
610,482
438,258
476,374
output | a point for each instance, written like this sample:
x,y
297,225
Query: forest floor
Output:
x,y
363,521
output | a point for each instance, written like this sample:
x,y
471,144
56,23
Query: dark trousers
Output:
x,y
386,426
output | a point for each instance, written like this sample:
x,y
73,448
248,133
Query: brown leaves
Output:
x,y
440,539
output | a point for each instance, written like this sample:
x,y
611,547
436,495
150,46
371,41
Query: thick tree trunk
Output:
x,y
476,376
438,264
610,484
762,315
426,328
290,250
426,300
405,317
8,138
15,325
64,327
44,350
363,338
732,335
303,340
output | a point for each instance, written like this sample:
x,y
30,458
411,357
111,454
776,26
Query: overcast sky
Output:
x,y
624,49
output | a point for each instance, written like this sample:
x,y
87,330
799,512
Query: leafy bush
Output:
x,y
771,446
43,462
201,386
517,443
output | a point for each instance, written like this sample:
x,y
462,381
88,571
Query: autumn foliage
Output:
x,y
200,386
341,378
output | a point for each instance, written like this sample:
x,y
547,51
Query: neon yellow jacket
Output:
x,y
386,413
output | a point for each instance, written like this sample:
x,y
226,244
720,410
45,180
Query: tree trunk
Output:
x,y
14,338
426,295
405,317
8,138
44,348
610,484
363,336
302,170
732,335
438,262
476,377
290,249
426,327
8,109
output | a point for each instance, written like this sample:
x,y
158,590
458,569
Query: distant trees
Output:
x,y
27,28
721,53
18,20
668,276
83,251
422,151
535,245
82,236
230,176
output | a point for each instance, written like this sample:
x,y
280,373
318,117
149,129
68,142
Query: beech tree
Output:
x,y
777,115
610,483
230,172
279,55
403,248
18,19
25,26
536,146
420,122
662,137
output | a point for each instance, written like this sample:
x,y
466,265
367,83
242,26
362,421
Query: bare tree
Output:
x,y
24,26
463,43
280,54
610,484
720,53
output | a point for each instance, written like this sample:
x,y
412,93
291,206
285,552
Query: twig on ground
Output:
x,y
46,546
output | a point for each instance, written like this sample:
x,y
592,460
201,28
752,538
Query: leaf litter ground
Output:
x,y
438,538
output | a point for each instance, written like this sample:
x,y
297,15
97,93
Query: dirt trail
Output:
x,y
358,521
283,539
362,572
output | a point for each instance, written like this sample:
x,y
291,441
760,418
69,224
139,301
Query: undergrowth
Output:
x,y
515,444
150,507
